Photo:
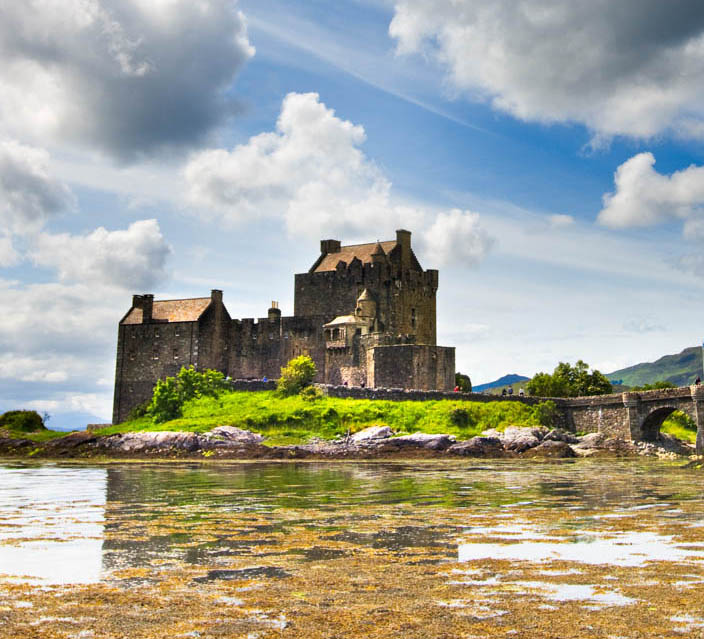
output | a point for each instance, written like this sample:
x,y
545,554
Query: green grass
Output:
x,y
681,426
40,436
292,420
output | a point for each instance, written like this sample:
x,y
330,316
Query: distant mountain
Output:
x,y
506,380
681,369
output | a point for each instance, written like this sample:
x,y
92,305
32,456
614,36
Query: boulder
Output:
x,y
478,447
154,440
519,440
421,440
371,434
559,435
232,436
551,449
591,440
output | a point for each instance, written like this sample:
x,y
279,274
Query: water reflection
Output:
x,y
51,524
482,535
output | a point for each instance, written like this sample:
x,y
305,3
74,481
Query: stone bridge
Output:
x,y
635,415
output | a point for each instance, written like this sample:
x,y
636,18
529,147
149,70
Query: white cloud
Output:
x,y
644,197
312,173
561,221
456,236
29,194
134,258
311,170
128,77
8,255
633,67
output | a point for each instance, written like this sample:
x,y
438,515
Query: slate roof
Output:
x,y
188,310
363,252
346,319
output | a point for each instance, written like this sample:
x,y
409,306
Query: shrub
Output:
x,y
140,410
296,375
24,421
459,417
463,382
171,393
311,394
546,413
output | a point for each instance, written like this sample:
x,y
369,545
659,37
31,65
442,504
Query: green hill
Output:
x,y
681,369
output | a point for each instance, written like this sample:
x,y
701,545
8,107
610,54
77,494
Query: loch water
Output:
x,y
461,548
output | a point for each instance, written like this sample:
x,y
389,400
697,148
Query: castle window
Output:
x,y
336,333
175,353
156,332
358,331
413,318
155,355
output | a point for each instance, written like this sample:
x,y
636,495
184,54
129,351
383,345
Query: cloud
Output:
x,y
633,67
130,259
311,169
127,77
644,197
312,173
57,342
560,221
8,255
456,236
29,194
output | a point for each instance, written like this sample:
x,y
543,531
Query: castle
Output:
x,y
364,313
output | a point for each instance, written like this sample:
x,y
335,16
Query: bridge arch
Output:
x,y
650,427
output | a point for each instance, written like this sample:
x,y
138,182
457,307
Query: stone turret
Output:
x,y
366,305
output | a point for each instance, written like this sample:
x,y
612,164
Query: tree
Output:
x,y
569,381
463,382
296,375
171,393
654,386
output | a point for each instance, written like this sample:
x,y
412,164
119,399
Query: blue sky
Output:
x,y
547,159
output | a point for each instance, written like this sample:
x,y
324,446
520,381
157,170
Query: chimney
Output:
x,y
274,312
146,303
216,295
403,239
329,246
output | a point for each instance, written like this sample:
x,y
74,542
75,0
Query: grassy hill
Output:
x,y
294,420
681,369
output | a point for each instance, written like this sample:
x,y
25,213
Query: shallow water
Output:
x,y
417,549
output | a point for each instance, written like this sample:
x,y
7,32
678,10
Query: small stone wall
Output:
x,y
252,385
405,395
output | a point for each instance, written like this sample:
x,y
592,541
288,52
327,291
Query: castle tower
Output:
x,y
366,305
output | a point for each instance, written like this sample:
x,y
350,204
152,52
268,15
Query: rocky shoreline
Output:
x,y
229,442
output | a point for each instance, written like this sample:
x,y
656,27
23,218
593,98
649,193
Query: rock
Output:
x,y
421,440
371,433
154,440
552,449
519,440
591,440
230,435
559,435
478,447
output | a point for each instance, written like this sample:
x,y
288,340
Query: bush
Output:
x,y
23,421
299,373
459,417
139,411
171,393
546,413
311,394
463,382
659,385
